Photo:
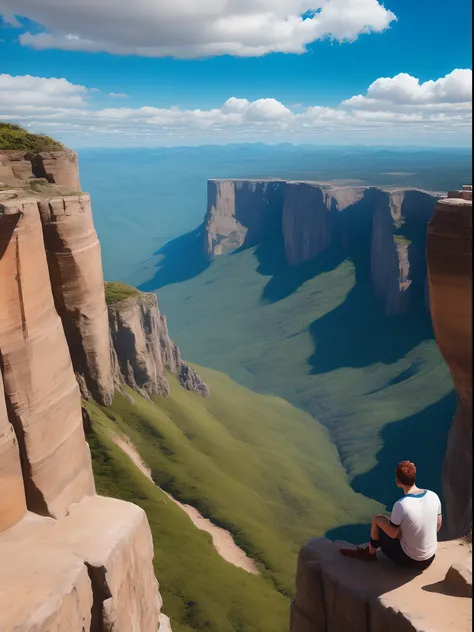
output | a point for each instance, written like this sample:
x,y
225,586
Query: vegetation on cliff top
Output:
x,y
116,292
15,137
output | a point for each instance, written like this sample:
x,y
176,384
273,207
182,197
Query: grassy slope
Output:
x,y
15,137
324,350
253,463
200,590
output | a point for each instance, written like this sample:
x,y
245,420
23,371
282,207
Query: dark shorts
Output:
x,y
392,548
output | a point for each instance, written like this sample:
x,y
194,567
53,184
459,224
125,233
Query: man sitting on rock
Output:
x,y
409,537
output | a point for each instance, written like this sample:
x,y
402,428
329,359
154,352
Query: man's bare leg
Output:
x,y
379,522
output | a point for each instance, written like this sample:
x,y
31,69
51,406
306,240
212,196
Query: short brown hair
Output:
x,y
406,473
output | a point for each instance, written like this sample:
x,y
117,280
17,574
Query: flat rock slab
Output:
x,y
91,570
339,594
41,588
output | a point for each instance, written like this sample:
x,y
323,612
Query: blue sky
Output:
x,y
230,52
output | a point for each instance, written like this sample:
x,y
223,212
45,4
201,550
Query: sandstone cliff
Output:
x,y
70,560
449,256
143,349
310,218
75,268
57,167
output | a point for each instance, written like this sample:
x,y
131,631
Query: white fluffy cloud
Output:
x,y
391,106
37,91
195,28
403,90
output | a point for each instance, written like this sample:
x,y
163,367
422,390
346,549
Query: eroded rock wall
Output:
x,y
143,349
449,256
75,268
305,219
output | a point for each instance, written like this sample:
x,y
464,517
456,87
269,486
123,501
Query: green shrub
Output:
x,y
116,292
15,137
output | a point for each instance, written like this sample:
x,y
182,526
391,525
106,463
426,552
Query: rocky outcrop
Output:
x,y
449,257
309,218
17,167
143,349
75,268
338,594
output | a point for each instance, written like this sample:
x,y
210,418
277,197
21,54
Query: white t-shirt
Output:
x,y
417,516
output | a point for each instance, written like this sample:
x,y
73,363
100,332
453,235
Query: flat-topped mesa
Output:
x,y
42,395
385,229
449,258
17,167
75,268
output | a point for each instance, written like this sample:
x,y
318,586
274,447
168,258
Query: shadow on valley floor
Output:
x,y
359,332
178,260
420,438
286,279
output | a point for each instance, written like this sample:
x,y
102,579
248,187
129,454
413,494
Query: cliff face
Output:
x,y
143,348
449,256
58,167
71,560
75,268
310,218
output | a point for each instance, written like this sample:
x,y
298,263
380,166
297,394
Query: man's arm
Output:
x,y
391,529
439,522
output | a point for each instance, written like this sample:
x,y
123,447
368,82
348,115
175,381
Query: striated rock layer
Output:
x,y
75,268
41,391
142,348
306,219
338,594
449,256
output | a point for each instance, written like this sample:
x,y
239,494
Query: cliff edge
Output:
x,y
71,560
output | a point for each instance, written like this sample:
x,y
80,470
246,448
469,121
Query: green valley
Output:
x,y
314,335
255,465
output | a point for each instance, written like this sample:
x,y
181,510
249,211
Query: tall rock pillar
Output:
x,y
449,259
75,268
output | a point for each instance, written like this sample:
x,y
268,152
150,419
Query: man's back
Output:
x,y
417,515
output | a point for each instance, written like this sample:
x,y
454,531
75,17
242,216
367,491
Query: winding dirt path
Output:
x,y
222,540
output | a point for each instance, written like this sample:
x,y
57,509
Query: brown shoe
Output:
x,y
359,553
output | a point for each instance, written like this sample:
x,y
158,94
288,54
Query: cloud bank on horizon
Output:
x,y
190,29
390,105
